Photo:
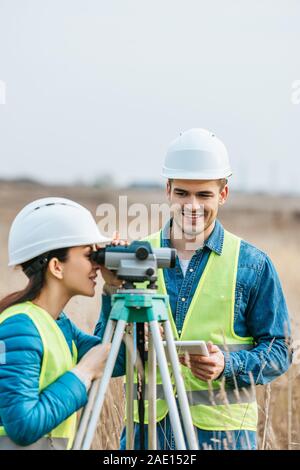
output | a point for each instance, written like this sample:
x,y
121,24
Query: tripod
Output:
x,y
139,306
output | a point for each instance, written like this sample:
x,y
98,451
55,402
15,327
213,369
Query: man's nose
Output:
x,y
192,204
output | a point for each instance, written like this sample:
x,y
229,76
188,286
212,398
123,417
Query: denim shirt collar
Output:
x,y
214,242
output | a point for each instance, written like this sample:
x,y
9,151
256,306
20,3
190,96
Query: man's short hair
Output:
x,y
222,182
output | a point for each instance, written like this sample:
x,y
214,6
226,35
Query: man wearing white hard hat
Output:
x,y
224,291
48,364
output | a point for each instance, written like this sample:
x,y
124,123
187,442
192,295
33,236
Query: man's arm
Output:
x,y
268,323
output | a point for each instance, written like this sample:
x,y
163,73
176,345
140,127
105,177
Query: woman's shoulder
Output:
x,y
19,333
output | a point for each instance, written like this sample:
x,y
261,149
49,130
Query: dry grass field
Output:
x,y
271,223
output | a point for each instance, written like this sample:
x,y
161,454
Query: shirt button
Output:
x,y
183,299
191,270
179,332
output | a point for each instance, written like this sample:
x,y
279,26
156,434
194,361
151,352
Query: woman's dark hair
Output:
x,y
36,279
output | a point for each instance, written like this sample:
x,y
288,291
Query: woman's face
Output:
x,y
79,272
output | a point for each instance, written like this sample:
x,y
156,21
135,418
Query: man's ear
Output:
x,y
168,189
223,195
56,268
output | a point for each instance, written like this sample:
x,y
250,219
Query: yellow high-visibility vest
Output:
x,y
210,317
57,359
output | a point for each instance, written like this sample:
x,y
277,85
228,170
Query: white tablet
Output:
x,y
190,347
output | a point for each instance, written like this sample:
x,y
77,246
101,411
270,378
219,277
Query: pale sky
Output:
x,y
96,87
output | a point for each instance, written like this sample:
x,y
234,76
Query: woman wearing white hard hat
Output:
x,y
47,363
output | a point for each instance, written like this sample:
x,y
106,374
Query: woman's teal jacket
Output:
x,y
25,413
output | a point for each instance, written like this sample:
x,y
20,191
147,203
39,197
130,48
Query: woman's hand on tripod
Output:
x,y
91,365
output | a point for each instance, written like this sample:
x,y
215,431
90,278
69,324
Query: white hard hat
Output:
x,y
197,154
49,224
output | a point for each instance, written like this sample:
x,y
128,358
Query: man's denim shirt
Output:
x,y
260,310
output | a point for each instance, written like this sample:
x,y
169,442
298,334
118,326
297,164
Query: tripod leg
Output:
x,y
104,382
182,396
167,385
129,388
109,330
141,385
86,413
151,395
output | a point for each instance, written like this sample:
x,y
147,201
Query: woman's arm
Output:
x,y
27,414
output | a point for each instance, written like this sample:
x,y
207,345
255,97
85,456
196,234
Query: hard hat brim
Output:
x,y
50,224
67,243
203,175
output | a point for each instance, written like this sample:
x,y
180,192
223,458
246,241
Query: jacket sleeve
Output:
x,y
84,342
120,366
269,325
26,413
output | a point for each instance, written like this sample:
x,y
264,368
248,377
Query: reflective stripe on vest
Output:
x,y
210,317
209,397
57,360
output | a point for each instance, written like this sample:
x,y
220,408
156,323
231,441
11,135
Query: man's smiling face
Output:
x,y
196,203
